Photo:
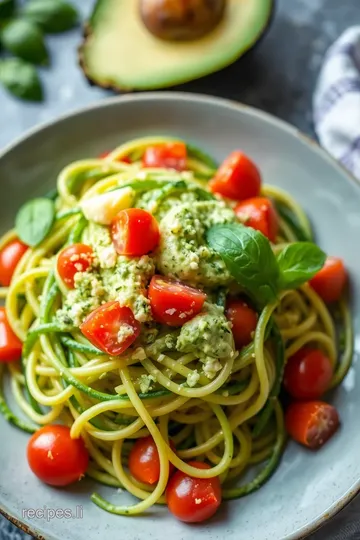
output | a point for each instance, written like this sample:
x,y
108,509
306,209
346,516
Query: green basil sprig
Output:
x,y
21,79
298,263
249,258
52,16
24,39
34,220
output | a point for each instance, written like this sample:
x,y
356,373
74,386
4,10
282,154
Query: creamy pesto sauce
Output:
x,y
182,254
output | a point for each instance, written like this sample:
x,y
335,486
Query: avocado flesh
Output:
x,y
119,52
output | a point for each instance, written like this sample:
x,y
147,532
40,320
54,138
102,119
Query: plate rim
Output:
x,y
214,101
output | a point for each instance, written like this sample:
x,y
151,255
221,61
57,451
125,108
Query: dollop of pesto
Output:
x,y
207,335
183,252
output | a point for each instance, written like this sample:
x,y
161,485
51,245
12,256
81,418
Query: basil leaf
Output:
x,y
7,8
21,79
52,16
34,220
249,258
24,39
298,263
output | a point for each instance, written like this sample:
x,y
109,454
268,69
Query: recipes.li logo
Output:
x,y
49,513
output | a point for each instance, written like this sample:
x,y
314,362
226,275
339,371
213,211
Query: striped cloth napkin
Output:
x,y
337,101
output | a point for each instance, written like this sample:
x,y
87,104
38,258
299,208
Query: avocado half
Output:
x,y
118,51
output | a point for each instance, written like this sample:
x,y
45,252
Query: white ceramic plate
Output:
x,y
308,487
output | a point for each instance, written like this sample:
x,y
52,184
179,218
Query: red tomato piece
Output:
x,y
330,281
10,344
311,423
167,156
237,178
308,374
73,259
172,302
111,328
244,320
10,256
260,214
124,159
135,232
55,457
144,463
193,499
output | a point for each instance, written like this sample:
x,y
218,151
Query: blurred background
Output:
x,y
278,75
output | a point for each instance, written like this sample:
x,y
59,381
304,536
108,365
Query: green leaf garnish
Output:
x,y
249,258
34,220
24,39
52,16
298,263
21,79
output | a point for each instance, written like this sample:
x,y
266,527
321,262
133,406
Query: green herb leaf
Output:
x,y
7,8
52,16
298,263
21,79
249,258
24,39
34,220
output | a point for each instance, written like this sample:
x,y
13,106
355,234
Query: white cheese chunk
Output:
x,y
103,208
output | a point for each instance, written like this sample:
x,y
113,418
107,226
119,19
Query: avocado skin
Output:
x,y
123,89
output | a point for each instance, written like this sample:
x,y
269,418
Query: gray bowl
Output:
x,y
308,487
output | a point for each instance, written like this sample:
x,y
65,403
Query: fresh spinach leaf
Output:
x,y
298,263
52,16
34,220
249,258
24,38
21,79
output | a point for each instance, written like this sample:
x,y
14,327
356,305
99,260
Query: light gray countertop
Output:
x,y
277,76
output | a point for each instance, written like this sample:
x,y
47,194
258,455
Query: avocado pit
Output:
x,y
181,20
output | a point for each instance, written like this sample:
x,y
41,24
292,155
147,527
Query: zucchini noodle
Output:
x,y
224,410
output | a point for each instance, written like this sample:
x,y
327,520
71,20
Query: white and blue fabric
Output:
x,y
337,101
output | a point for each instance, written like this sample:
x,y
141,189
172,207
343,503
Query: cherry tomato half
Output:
x,y
73,259
134,232
237,178
193,499
260,214
167,156
330,281
308,374
10,344
111,328
10,256
55,457
244,320
311,423
172,302
144,463
124,159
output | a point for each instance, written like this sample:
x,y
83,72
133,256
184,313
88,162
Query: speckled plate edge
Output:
x,y
231,105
